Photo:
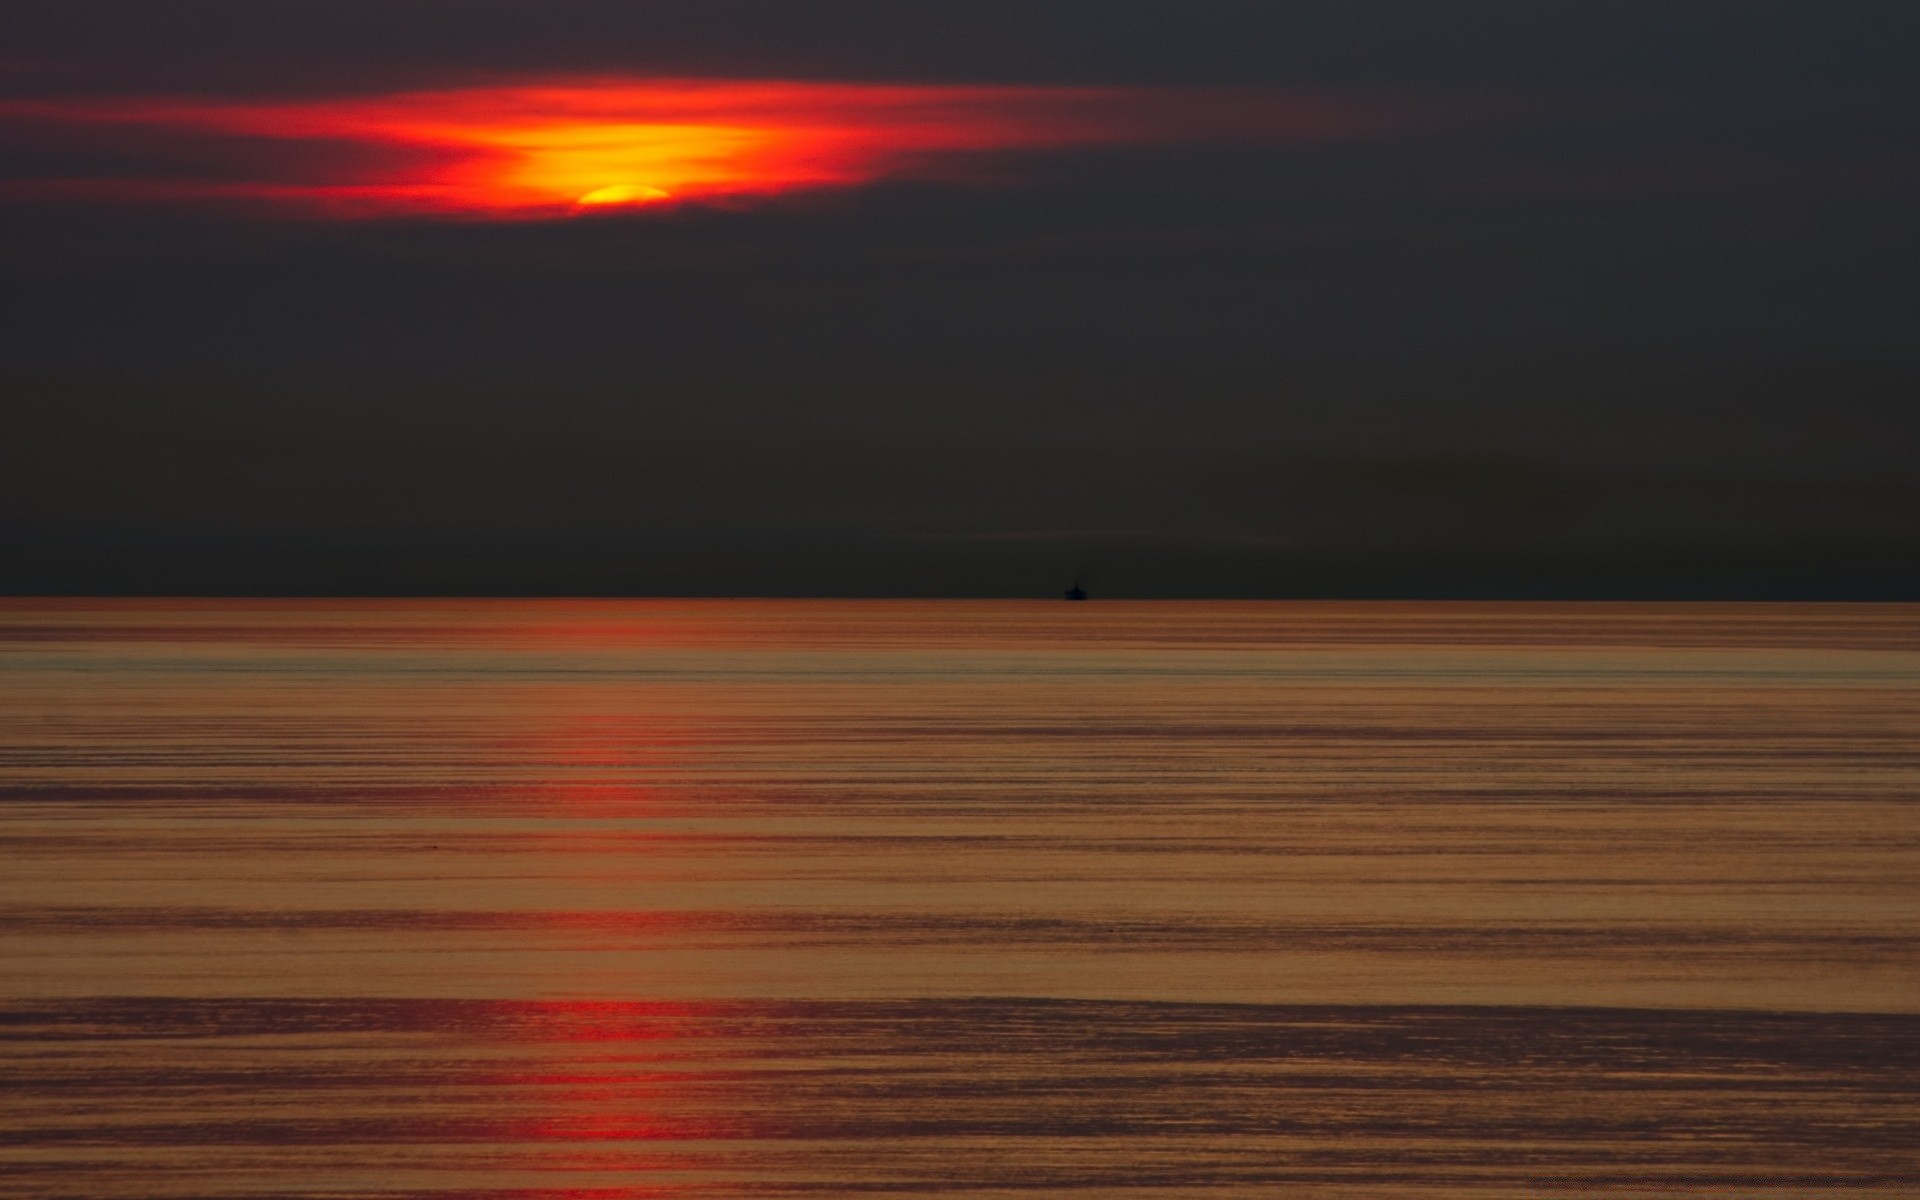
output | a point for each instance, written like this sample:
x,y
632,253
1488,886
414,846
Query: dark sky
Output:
x,y
1620,300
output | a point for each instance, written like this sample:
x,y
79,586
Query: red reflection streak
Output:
x,y
601,748
552,148
630,1071
595,758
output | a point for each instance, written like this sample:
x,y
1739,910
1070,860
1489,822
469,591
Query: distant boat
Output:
x,y
1076,592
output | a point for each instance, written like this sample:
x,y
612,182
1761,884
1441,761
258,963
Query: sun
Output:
x,y
623,194
552,147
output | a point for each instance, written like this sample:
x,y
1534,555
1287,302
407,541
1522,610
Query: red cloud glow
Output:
x,y
555,148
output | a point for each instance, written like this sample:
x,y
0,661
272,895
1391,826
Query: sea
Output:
x,y
716,898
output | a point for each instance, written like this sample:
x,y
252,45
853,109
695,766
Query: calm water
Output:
x,y
671,898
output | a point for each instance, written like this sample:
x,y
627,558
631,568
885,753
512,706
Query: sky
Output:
x,y
867,297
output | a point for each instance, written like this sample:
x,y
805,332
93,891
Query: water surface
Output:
x,y
710,898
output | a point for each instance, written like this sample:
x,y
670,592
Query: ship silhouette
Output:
x,y
1076,592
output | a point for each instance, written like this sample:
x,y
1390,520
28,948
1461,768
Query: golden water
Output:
x,y
718,898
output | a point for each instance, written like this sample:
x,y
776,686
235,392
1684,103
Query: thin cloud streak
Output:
x,y
546,148
1175,536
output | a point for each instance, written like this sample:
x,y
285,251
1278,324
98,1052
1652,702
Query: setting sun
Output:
x,y
547,148
552,148
624,193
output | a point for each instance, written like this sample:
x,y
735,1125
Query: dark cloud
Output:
x,y
703,476
354,44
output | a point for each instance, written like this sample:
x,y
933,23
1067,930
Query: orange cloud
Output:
x,y
555,148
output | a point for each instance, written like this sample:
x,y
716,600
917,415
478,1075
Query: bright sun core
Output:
x,y
623,193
